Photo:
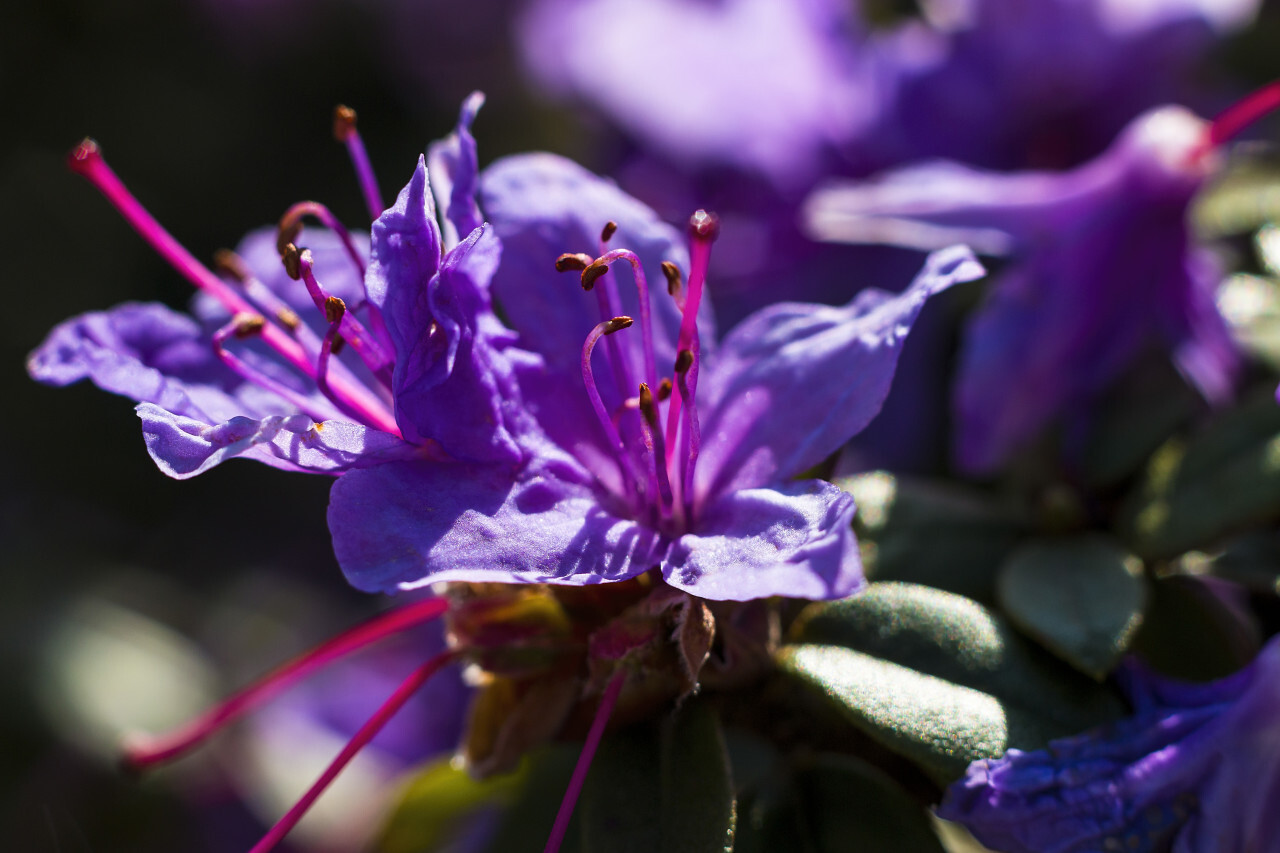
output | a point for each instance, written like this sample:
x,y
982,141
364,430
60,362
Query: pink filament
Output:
x,y
588,377
326,217
145,751
369,350
367,733
1237,117
87,160
607,703
699,259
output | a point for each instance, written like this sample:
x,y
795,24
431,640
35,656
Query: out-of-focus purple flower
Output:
x,y
1101,266
260,374
1196,769
671,451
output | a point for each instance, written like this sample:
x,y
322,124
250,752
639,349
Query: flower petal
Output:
x,y
794,382
794,540
183,447
406,525
455,173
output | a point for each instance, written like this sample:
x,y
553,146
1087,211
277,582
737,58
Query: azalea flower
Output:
x,y
645,446
1194,770
1101,266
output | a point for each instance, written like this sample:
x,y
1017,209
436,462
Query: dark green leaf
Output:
x,y
836,804
661,787
930,533
1195,492
1192,632
1081,597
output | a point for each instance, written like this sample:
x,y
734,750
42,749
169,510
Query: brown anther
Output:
x,y
571,261
229,263
334,309
247,325
674,280
593,271
684,360
82,155
344,122
291,257
288,319
337,345
610,228
664,389
617,324
704,225
647,407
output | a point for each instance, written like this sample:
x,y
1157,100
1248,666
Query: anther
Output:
x,y
617,324
247,325
664,389
647,408
592,273
344,122
334,308
704,225
674,281
571,261
287,231
229,263
610,228
684,360
291,257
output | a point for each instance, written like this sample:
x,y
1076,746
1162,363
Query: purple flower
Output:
x,y
1196,769
258,372
1101,265
667,450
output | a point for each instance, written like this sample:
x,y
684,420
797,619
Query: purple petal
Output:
x,y
405,250
183,447
794,382
455,172
152,354
794,540
406,525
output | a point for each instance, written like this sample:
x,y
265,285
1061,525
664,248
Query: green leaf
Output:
x,y
835,803
661,787
1081,597
1251,306
930,533
961,641
1197,491
939,678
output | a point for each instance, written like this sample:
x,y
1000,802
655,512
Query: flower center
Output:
x,y
652,431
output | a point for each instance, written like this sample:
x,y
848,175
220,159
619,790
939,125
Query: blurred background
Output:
x,y
129,597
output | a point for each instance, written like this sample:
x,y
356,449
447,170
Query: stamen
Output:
x,y
1237,117
570,261
143,750
686,370
344,130
610,228
642,288
651,430
291,226
244,326
704,227
86,160
593,272
369,350
608,327
675,286
607,703
331,345
367,732
664,390
229,263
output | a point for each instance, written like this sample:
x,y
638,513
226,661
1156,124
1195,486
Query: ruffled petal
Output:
x,y
403,526
404,255
183,447
794,382
794,540
455,173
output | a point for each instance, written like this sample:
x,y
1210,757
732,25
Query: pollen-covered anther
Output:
x,y
344,122
334,309
82,157
648,407
291,257
247,325
664,389
675,282
704,225
592,273
610,228
573,261
232,265
684,360
617,324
